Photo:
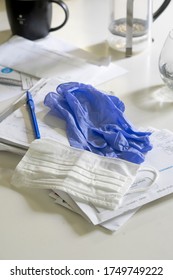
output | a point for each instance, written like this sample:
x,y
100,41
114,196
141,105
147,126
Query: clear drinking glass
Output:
x,y
165,94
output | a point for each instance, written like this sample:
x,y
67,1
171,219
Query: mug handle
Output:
x,y
66,11
161,9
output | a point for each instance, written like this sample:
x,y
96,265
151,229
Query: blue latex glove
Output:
x,y
95,122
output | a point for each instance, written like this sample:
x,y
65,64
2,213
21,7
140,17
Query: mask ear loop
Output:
x,y
150,169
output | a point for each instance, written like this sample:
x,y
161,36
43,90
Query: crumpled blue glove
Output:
x,y
95,122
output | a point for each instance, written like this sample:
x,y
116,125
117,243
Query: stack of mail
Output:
x,y
152,179
148,186
152,182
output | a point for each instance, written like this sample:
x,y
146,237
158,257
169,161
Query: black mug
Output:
x,y
31,19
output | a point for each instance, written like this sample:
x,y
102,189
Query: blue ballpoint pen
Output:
x,y
31,106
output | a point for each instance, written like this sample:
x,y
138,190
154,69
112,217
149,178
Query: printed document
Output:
x,y
13,84
16,130
35,59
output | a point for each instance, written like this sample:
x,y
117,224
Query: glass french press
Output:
x,y
130,26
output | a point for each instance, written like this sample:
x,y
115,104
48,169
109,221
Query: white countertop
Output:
x,y
32,227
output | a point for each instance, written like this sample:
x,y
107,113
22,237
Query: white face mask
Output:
x,y
85,176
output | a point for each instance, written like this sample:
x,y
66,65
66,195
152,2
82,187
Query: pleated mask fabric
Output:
x,y
85,176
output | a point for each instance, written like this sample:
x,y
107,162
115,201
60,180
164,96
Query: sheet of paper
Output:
x,y
51,126
12,149
19,121
53,43
10,77
31,58
116,223
113,224
61,201
12,86
163,148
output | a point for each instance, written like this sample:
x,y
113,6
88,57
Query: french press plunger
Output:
x,y
130,26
